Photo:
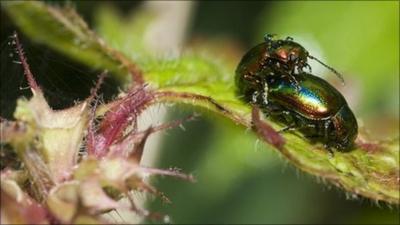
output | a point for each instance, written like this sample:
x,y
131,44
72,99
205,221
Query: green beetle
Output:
x,y
312,106
279,56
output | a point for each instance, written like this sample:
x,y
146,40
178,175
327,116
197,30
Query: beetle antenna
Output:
x,y
330,68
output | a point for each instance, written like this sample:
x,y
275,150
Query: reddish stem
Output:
x,y
265,131
29,76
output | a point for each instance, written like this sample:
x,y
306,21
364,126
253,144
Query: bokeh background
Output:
x,y
239,179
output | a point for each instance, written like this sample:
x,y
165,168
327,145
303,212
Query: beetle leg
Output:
x,y
252,79
264,94
288,128
330,151
326,137
311,136
326,130
299,69
274,109
288,117
254,97
308,67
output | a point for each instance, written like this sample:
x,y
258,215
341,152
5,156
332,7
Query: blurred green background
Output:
x,y
239,179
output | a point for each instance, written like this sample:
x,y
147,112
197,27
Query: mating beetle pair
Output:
x,y
271,76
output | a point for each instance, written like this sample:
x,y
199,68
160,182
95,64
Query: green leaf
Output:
x,y
113,28
203,81
62,29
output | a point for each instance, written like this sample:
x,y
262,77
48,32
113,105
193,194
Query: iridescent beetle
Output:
x,y
310,104
283,57
317,110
